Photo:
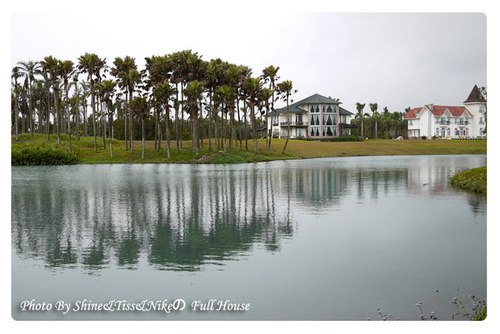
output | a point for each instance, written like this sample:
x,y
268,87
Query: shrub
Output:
x,y
42,155
472,180
350,138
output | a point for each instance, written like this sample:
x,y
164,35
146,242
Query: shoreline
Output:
x,y
83,150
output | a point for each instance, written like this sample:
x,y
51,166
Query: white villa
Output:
x,y
467,122
315,117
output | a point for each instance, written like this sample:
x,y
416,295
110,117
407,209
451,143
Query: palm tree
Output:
x,y
125,70
193,93
159,72
163,92
108,92
270,74
51,66
16,74
76,86
225,96
65,69
92,65
374,107
29,68
139,107
286,89
252,88
267,94
217,72
360,116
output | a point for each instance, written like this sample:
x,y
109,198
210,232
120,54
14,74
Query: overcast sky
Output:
x,y
394,59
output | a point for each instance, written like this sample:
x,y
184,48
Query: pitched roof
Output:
x,y
316,98
440,110
413,112
437,111
313,99
475,96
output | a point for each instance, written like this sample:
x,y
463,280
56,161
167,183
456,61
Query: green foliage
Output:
x,y
472,180
42,155
350,138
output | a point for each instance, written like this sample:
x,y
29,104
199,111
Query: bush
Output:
x,y
42,155
351,138
474,180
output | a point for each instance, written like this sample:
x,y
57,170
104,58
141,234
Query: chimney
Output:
x,y
431,106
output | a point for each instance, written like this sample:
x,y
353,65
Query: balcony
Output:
x,y
296,124
443,122
462,122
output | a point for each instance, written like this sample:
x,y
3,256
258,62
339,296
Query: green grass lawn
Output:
x,y
297,149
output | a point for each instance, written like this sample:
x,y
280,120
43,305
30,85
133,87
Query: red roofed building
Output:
x,y
449,122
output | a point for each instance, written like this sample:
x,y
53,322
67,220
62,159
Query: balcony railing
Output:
x,y
294,123
441,122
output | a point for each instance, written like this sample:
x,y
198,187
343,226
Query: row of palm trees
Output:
x,y
216,96
382,125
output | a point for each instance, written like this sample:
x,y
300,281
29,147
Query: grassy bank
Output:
x,y
297,149
471,180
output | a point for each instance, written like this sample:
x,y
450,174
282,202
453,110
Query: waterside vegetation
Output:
x,y
473,180
83,150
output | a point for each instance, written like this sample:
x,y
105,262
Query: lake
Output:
x,y
317,239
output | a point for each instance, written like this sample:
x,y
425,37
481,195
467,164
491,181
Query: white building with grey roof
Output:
x,y
315,117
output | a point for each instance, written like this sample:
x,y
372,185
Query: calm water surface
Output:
x,y
321,239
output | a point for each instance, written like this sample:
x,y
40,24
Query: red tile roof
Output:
x,y
438,111
413,113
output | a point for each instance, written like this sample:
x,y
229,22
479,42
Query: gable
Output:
x,y
413,113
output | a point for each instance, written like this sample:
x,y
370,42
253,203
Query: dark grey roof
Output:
x,y
313,99
475,96
316,98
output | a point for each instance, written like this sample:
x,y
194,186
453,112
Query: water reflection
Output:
x,y
182,218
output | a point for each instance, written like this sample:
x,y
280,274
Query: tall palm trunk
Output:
x,y
143,136
167,130
131,126
58,117
110,121
125,119
16,110
69,116
254,128
92,103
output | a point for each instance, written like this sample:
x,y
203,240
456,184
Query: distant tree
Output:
x,y
193,94
270,74
252,88
225,96
139,107
163,93
285,88
360,116
50,65
29,69
108,92
65,69
16,74
91,64
374,107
